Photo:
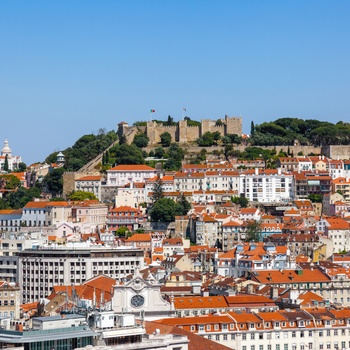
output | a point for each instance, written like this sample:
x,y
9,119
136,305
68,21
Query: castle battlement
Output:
x,y
182,132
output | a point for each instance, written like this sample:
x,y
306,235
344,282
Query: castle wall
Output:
x,y
233,125
69,182
220,128
193,133
337,151
182,132
154,130
206,125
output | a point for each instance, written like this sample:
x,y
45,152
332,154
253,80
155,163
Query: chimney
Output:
x,y
274,293
256,171
250,289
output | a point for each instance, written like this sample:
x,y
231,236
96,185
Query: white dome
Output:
x,y
6,150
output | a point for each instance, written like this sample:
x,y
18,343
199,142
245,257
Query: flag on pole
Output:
x,y
184,109
152,110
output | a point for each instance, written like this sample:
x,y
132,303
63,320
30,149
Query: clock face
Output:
x,y
137,300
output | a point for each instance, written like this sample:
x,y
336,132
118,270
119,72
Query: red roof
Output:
x,y
132,167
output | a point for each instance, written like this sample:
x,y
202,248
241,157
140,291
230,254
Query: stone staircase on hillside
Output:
x,y
130,135
90,168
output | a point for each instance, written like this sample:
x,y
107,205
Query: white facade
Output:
x,y
207,232
124,174
130,196
90,184
41,269
13,161
267,186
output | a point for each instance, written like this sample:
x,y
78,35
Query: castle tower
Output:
x,y
183,131
233,125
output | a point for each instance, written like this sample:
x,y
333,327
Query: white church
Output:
x,y
13,161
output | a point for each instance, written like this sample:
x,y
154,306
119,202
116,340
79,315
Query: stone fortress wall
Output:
x,y
181,132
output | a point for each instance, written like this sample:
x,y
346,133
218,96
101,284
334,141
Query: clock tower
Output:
x,y
141,296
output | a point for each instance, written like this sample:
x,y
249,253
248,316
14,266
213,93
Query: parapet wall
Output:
x,y
182,132
69,182
337,152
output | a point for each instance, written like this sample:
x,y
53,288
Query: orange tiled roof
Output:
x,y
89,178
133,167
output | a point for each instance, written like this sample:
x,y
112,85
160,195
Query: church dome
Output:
x,y
6,149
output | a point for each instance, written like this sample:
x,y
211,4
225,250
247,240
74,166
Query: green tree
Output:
x,y
175,156
315,198
165,139
21,167
163,210
226,140
81,196
241,201
253,232
129,154
252,128
122,140
53,181
9,182
21,197
159,152
216,137
6,164
234,138
157,190
206,140
141,140
122,231
218,122
170,120
183,206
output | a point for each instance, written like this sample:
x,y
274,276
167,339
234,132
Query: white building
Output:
x,y
90,184
6,153
41,269
123,174
131,195
309,329
207,231
267,185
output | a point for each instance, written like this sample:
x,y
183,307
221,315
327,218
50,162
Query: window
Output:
x,y
244,336
217,337
252,336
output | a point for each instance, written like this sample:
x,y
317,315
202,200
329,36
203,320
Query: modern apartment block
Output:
x,y
41,269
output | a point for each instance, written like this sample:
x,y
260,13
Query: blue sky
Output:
x,y
69,68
